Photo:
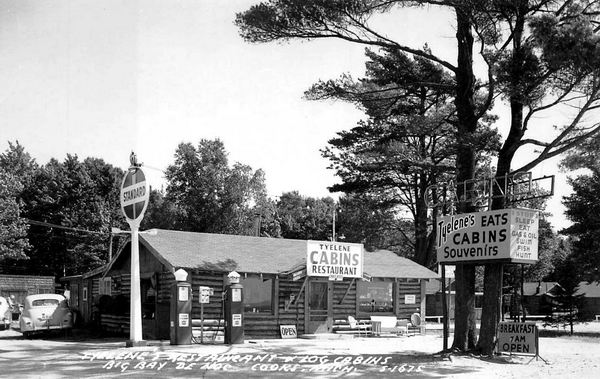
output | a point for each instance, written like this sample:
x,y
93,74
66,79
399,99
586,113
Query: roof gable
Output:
x,y
538,288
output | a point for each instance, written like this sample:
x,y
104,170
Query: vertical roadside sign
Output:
x,y
134,201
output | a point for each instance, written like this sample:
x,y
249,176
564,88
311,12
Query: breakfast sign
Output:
x,y
507,235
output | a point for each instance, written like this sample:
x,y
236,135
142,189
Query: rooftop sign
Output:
x,y
335,260
509,235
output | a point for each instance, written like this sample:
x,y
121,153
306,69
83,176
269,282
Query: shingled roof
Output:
x,y
223,252
386,264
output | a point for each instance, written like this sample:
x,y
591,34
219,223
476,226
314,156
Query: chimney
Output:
x,y
257,224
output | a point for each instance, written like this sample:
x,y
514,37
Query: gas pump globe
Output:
x,y
234,310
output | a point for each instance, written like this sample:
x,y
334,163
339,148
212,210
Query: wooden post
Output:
x,y
444,307
201,321
522,297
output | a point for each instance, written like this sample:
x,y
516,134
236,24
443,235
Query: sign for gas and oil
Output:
x,y
134,194
517,338
506,234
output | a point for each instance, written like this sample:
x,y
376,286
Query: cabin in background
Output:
x,y
23,285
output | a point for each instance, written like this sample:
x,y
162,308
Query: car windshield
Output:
x,y
44,303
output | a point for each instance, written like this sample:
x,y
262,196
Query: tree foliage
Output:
x,y
16,170
362,219
13,230
205,194
78,196
408,141
569,300
306,218
540,54
583,209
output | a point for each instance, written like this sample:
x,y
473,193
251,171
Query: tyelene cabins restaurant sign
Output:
x,y
508,235
334,260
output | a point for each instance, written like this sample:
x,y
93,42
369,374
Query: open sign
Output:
x,y
288,331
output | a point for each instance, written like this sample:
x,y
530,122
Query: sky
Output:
x,y
104,78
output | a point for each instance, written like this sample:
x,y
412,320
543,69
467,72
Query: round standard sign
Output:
x,y
134,194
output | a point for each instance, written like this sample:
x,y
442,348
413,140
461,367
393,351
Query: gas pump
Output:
x,y
234,310
181,309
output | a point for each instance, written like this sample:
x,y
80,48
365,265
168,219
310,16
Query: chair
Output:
x,y
415,321
359,326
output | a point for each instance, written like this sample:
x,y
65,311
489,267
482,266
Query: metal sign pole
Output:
x,y
201,322
444,307
134,200
135,307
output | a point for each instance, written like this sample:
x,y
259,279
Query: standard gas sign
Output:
x,y
506,234
134,194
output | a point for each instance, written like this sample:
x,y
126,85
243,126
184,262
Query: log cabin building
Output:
x,y
278,288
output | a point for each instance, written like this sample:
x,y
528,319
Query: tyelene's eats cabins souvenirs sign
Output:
x,y
508,235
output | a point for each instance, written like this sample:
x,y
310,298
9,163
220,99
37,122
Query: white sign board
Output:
x,y
288,331
184,319
517,337
236,319
183,293
410,299
205,293
334,260
506,234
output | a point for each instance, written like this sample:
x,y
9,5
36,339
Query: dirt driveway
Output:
x,y
414,357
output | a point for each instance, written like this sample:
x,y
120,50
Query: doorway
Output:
x,y
320,306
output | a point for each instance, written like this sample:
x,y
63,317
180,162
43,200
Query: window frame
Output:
x,y
394,299
105,287
272,291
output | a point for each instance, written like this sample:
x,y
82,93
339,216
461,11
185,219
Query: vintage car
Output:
x,y
45,312
5,314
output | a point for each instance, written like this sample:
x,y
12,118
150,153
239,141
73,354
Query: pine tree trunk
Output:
x,y
492,288
464,318
492,282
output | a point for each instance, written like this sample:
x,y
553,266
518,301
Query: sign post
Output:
x,y
518,338
205,293
134,201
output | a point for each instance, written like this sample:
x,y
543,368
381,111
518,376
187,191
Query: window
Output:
x,y
148,294
375,297
105,286
84,295
44,303
258,294
74,294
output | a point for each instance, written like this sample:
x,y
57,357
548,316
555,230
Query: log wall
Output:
x,y
288,298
